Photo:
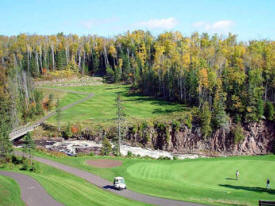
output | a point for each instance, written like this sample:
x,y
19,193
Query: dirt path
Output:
x,y
102,183
32,193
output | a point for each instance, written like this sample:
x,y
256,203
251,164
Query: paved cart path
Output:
x,y
32,193
106,185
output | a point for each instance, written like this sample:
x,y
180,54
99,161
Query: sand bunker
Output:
x,y
104,163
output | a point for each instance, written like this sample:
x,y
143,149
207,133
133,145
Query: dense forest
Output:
x,y
221,76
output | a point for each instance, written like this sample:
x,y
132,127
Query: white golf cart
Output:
x,y
119,183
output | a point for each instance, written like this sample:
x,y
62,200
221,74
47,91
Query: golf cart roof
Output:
x,y
119,178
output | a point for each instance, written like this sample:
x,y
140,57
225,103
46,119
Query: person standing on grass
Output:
x,y
237,174
267,183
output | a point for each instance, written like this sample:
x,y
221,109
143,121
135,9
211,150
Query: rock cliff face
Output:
x,y
259,138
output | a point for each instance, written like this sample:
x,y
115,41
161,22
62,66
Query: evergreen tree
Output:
x,y
110,75
106,147
269,111
61,59
260,108
220,118
206,120
68,132
28,145
118,74
95,62
182,69
38,96
126,67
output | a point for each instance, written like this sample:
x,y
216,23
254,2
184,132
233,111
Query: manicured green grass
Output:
x,y
210,181
68,189
9,192
101,108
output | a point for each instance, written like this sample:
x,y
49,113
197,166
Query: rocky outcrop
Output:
x,y
259,138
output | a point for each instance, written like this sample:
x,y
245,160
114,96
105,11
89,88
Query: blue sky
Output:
x,y
249,19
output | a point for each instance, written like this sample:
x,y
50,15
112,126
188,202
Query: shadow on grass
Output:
x,y
229,178
156,101
166,111
253,189
112,88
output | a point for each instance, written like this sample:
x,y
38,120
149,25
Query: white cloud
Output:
x,y
222,26
225,24
168,23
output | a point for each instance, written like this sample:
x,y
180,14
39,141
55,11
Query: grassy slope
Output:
x,y
101,108
9,192
203,180
71,190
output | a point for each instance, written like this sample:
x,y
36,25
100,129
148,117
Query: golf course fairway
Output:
x,y
208,180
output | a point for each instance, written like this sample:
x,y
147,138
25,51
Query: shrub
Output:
x,y
164,158
35,167
115,150
106,147
15,160
74,129
134,129
238,134
176,125
91,154
129,154
188,120
175,158
144,132
25,164
237,118
68,131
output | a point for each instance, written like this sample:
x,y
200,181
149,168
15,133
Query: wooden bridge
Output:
x,y
21,131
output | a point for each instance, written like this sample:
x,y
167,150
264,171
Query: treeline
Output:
x,y
219,75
